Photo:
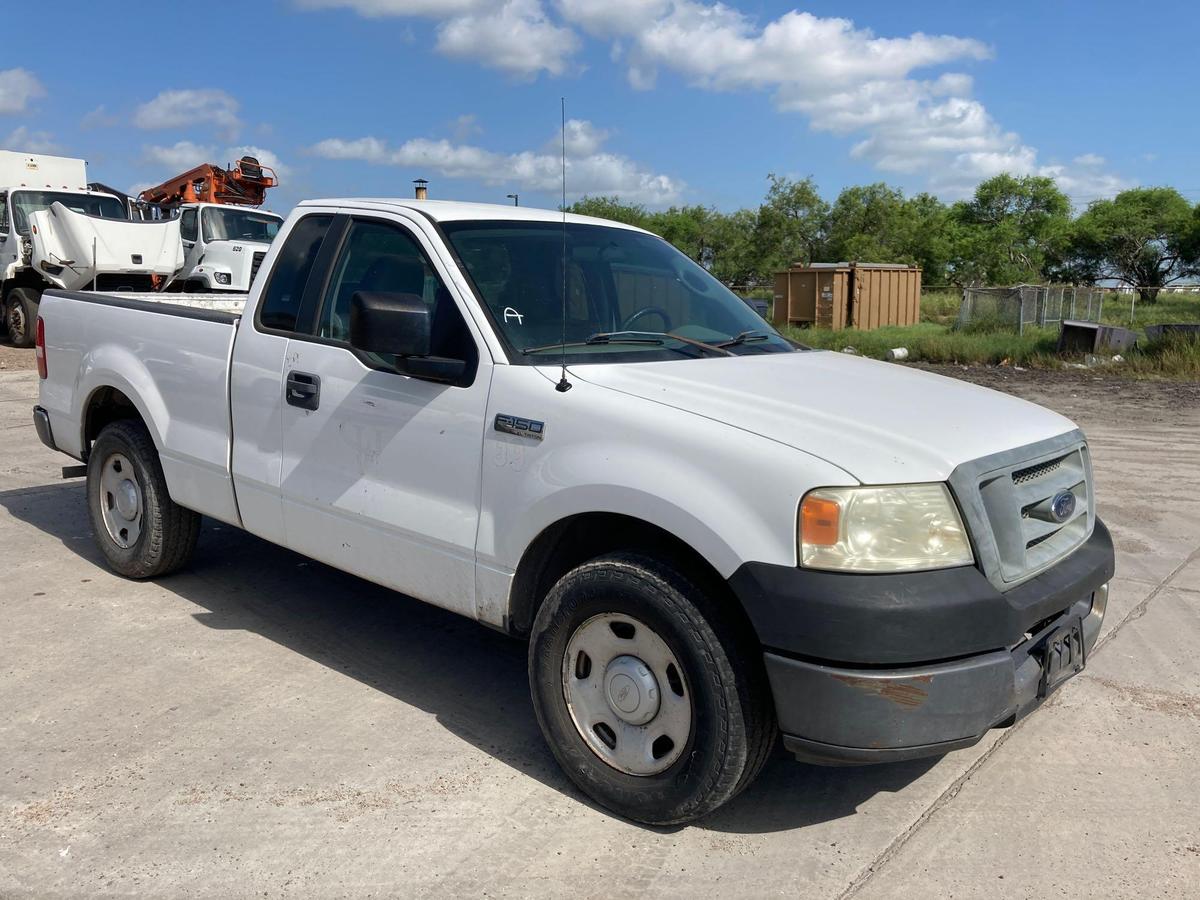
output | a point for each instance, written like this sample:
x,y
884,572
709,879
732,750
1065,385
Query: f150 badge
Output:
x,y
528,428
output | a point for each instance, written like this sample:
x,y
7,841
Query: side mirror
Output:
x,y
389,323
400,325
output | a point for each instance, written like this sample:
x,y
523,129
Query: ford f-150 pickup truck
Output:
x,y
565,429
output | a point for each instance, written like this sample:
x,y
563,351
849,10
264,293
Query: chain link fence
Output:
x,y
1012,308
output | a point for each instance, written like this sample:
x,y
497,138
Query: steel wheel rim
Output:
x,y
626,694
121,500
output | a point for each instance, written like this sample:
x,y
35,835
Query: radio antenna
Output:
x,y
563,385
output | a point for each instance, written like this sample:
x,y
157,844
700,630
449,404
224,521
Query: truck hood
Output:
x,y
75,247
882,423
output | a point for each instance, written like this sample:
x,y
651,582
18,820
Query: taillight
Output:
x,y
39,347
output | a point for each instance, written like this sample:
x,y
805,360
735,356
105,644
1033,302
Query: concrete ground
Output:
x,y
263,725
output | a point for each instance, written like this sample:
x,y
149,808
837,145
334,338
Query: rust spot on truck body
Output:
x,y
903,693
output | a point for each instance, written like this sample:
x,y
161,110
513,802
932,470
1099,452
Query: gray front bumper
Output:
x,y
852,716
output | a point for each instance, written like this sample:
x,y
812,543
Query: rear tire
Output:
x,y
140,530
20,316
624,626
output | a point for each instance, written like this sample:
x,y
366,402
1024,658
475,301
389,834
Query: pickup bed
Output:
x,y
565,429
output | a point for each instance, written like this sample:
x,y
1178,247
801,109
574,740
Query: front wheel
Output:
x,y
140,530
20,315
652,700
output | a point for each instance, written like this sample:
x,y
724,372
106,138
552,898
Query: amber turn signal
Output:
x,y
819,521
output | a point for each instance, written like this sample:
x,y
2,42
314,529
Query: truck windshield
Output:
x,y
635,295
26,202
232,224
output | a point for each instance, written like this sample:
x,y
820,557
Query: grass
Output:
x,y
935,340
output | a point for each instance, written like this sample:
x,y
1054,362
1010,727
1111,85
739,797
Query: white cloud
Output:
x,y
99,117
515,36
845,79
582,139
17,88
188,108
609,18
590,169
464,127
374,9
179,157
22,139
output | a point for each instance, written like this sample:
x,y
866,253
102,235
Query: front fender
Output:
x,y
730,495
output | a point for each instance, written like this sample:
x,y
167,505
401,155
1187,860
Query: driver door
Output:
x,y
381,470
189,233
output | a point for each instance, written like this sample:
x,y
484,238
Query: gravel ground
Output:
x,y
261,725
15,359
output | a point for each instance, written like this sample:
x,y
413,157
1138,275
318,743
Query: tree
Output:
x,y
692,229
927,238
1145,237
738,257
1010,230
611,207
865,224
791,223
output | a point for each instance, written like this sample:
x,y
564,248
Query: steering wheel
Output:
x,y
627,325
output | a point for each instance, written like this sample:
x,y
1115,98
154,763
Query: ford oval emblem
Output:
x,y
1062,507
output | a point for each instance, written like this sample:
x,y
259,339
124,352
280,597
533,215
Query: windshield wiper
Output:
x,y
662,336
631,337
745,338
601,338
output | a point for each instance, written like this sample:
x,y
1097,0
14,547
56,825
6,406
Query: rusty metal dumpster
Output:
x,y
848,295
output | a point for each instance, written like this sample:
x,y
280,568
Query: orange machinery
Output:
x,y
243,184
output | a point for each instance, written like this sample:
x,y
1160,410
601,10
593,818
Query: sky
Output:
x,y
668,101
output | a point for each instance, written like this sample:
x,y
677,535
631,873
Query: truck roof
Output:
x,y
204,204
457,211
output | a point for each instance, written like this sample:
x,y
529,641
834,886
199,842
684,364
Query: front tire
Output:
x,y
140,530
652,699
20,315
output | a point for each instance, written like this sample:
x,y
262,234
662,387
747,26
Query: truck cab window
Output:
x,y
378,256
280,307
187,225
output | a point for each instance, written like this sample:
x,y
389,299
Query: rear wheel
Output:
x,y
20,314
140,530
652,701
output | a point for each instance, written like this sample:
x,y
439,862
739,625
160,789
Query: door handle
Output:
x,y
303,390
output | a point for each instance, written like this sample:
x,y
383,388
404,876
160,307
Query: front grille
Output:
x,y
255,264
1007,502
1032,473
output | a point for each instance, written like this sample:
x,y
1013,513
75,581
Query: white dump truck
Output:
x,y
56,232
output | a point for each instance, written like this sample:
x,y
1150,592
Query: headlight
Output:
x,y
222,277
900,528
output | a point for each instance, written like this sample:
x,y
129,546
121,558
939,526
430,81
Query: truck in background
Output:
x,y
57,232
225,237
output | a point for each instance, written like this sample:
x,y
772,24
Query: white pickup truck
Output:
x,y
569,431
